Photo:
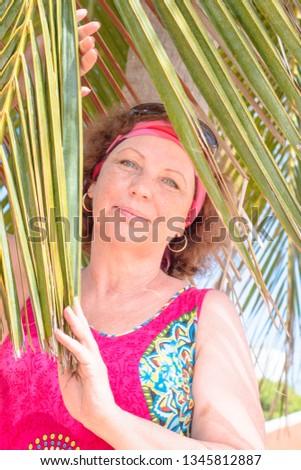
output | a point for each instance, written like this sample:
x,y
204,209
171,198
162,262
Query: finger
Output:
x,y
85,91
86,44
79,351
87,336
87,61
81,14
79,311
88,29
79,325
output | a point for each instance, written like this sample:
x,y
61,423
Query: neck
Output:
x,y
116,271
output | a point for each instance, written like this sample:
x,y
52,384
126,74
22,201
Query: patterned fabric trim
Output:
x,y
166,372
147,321
53,442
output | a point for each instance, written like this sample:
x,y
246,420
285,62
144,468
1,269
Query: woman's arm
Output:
x,y
215,425
227,404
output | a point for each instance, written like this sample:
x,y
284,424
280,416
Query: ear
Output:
x,y
91,190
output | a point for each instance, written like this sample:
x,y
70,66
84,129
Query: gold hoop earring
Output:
x,y
183,247
84,197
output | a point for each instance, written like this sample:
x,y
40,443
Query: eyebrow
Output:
x,y
166,169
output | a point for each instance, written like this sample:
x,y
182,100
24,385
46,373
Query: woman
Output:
x,y
161,364
187,367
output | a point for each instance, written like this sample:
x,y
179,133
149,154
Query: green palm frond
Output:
x,y
241,56
42,158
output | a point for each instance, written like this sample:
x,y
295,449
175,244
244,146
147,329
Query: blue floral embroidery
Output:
x,y
166,372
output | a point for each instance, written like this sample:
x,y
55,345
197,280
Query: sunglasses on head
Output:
x,y
158,109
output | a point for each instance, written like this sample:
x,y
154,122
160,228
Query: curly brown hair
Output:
x,y
202,235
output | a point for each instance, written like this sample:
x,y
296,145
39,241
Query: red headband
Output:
x,y
164,130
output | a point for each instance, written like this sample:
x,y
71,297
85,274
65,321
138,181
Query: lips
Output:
x,y
128,211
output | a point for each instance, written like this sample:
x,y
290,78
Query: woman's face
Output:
x,y
143,192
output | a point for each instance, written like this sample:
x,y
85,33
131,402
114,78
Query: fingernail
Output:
x,y
85,91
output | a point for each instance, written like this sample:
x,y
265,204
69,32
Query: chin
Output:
x,y
124,234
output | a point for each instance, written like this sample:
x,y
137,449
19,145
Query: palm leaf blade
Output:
x,y
248,62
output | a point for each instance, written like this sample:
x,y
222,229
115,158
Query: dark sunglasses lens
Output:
x,y
209,135
158,108
148,108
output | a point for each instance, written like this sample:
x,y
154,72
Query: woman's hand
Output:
x,y
88,53
87,394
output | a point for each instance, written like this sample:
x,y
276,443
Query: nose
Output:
x,y
141,186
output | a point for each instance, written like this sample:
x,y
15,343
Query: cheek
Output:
x,y
176,204
174,211
108,186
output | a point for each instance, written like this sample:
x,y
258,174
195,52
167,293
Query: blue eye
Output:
x,y
128,163
171,183
131,164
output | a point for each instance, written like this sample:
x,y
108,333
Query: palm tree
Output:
x,y
239,58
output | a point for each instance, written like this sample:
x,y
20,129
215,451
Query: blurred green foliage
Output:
x,y
269,390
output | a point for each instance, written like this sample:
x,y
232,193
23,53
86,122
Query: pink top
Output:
x,y
150,370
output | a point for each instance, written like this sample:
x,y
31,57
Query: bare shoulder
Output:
x,y
220,326
218,314
227,405
216,300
